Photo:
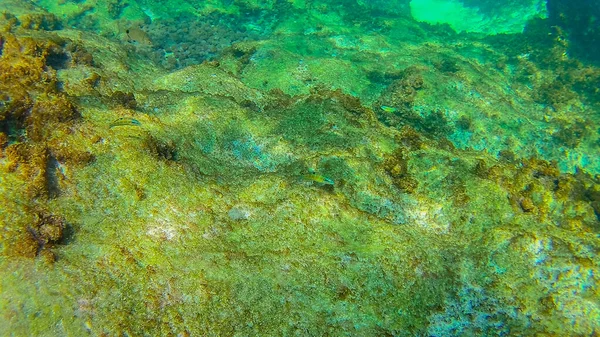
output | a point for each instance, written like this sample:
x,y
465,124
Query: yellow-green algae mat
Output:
x,y
212,208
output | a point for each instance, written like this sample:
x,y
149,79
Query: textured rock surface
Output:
x,y
342,174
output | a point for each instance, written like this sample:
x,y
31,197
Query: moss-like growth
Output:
x,y
31,100
32,164
43,21
322,119
536,187
164,150
47,114
401,93
3,141
571,134
554,93
115,8
396,167
124,99
447,66
38,237
291,215
72,156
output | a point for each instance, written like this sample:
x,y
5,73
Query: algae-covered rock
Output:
x,y
340,170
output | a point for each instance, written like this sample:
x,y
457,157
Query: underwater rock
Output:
x,y
37,238
46,21
579,18
192,40
396,167
238,213
205,204
124,99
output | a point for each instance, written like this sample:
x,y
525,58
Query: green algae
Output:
x,y
419,235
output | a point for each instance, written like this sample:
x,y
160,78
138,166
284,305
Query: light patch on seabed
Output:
x,y
466,19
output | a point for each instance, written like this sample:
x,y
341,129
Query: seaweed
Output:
x,y
396,106
164,150
33,163
401,93
123,99
39,235
396,166
42,21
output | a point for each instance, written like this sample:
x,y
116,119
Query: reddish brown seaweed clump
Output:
x,y
38,237
25,82
53,110
31,162
37,122
536,187
34,115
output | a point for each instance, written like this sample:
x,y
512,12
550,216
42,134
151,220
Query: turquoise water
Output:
x,y
299,168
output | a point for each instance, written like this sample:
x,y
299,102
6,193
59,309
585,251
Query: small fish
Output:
x,y
389,109
124,121
318,179
138,36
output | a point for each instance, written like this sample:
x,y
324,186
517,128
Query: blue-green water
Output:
x,y
299,168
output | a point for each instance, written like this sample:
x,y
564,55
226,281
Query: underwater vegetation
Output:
x,y
258,168
579,20
189,40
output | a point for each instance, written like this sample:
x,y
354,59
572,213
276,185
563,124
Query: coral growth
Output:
x,y
192,40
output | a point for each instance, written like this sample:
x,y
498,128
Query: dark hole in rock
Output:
x,y
238,53
58,60
125,99
164,150
52,185
68,235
